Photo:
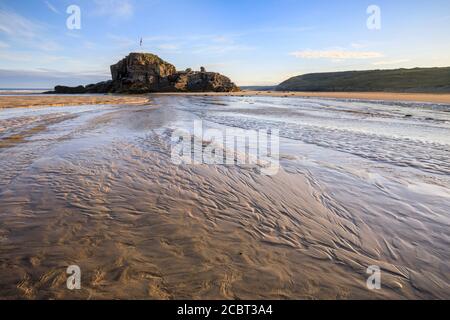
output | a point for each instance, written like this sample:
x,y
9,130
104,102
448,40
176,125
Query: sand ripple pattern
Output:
x,y
100,191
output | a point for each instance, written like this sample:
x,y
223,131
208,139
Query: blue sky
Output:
x,y
253,42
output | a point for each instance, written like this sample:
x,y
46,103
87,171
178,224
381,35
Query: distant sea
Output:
x,y
4,91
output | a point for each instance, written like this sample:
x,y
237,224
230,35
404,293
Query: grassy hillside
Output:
x,y
398,80
258,88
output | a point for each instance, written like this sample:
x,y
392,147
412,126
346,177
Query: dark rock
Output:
x,y
145,73
198,82
70,90
140,73
101,87
209,81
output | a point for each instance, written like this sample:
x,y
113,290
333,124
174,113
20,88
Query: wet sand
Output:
x,y
380,96
34,100
14,100
360,184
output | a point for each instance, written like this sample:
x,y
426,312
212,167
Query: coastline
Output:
x,y
28,101
443,98
97,187
39,100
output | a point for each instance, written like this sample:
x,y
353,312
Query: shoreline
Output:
x,y
40,100
350,192
29,101
442,98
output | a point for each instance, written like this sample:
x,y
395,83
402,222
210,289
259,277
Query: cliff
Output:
x,y
397,80
145,73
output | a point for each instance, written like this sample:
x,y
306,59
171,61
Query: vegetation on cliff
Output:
x,y
397,80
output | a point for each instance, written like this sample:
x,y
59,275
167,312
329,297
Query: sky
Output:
x,y
254,42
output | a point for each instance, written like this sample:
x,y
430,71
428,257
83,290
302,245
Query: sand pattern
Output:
x,y
14,100
96,187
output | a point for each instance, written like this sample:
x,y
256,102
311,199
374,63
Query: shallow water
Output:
x,y
360,184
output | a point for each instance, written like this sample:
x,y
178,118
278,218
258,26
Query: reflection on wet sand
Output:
x,y
96,188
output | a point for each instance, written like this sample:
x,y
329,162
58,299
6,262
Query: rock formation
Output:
x,y
145,73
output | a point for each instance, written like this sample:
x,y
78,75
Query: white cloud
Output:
x,y
47,78
390,62
123,9
8,57
195,43
89,45
159,38
150,43
280,29
36,60
216,44
51,7
336,54
123,42
20,30
47,45
15,25
4,45
221,39
168,46
216,65
73,35
360,45
220,49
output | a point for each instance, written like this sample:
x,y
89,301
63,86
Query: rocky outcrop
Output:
x,y
140,73
194,81
101,87
145,73
70,90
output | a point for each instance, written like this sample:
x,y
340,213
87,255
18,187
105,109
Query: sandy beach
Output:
x,y
380,96
236,158
360,184
33,100
15,100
